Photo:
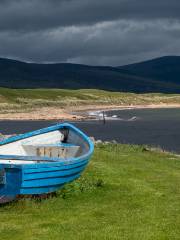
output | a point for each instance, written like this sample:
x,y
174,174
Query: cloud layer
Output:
x,y
100,32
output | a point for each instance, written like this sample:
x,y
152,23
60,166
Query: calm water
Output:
x,y
156,127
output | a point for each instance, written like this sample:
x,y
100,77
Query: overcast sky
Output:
x,y
96,32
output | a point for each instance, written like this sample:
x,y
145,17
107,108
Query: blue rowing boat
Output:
x,y
42,161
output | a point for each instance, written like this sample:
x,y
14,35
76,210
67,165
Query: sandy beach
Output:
x,y
74,113
46,113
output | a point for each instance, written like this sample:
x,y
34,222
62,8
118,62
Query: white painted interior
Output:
x,y
16,148
43,145
16,162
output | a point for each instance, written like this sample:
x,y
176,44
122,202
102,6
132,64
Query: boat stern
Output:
x,y
10,182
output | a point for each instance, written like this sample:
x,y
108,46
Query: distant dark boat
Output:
x,y
42,161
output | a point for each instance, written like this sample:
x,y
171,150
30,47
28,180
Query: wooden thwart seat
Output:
x,y
59,150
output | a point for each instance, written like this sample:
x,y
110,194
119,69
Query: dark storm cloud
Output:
x,y
105,32
43,14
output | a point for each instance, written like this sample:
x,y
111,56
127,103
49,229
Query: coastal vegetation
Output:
x,y
127,192
21,100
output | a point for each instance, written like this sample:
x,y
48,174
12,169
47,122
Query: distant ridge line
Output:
x,y
155,75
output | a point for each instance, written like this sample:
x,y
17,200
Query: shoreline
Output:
x,y
125,107
78,113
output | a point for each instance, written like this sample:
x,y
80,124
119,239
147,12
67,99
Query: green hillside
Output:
x,y
29,99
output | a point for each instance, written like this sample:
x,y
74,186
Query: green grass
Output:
x,y
18,100
23,95
127,192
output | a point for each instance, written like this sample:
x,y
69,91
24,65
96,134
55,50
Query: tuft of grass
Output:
x,y
127,192
84,184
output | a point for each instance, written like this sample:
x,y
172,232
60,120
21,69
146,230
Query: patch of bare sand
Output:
x,y
46,113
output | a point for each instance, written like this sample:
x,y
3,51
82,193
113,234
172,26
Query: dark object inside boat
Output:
x,y
65,132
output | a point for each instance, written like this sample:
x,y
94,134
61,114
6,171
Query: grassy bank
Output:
x,y
127,192
19,100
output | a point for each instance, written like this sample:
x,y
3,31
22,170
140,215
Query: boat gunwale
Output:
x,y
54,161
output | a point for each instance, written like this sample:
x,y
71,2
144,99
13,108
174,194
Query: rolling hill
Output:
x,y
164,69
158,75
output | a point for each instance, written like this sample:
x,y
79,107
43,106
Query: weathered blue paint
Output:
x,y
12,183
42,177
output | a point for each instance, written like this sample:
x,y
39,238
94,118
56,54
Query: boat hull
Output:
x,y
48,179
39,178
36,180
